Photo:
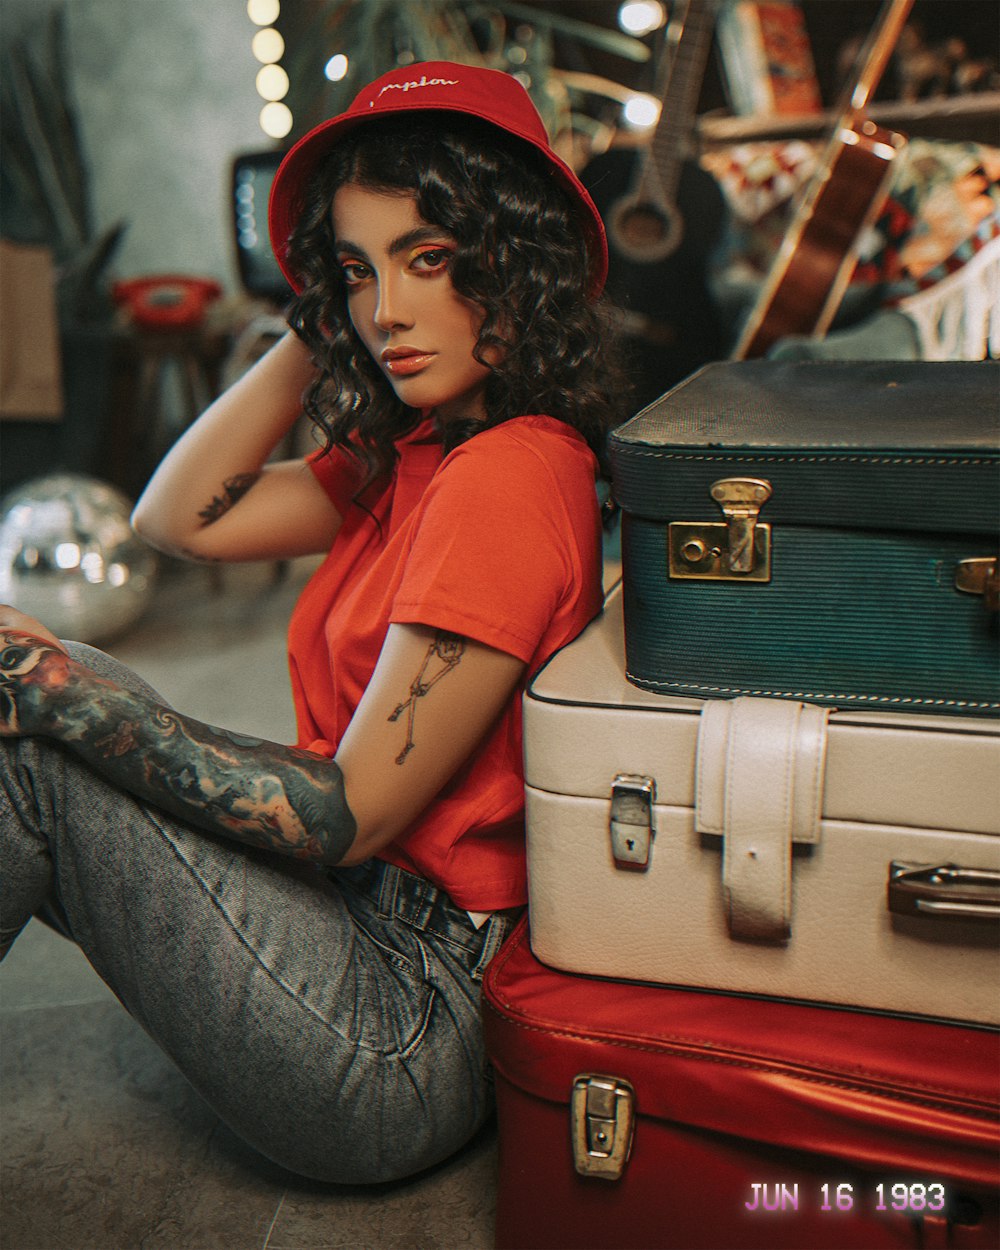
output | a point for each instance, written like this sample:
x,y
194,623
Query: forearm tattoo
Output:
x,y
23,659
255,792
444,654
233,490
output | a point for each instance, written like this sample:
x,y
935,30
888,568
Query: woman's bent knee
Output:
x,y
111,669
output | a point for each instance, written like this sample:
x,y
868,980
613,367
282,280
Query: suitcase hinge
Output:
x,y
735,550
979,576
602,1122
631,824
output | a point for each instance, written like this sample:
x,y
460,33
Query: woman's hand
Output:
x,y
30,655
12,619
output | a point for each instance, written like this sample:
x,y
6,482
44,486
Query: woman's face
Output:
x,y
402,304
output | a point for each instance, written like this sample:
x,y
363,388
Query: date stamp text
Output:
x,y
912,1197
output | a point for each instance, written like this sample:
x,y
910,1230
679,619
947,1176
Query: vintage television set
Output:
x,y
252,175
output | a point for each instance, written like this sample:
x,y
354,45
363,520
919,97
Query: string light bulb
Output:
x,y
276,119
272,82
268,46
336,68
263,12
641,17
641,111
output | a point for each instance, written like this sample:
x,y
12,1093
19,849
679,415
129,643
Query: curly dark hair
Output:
x,y
520,256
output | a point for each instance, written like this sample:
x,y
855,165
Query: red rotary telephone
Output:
x,y
166,301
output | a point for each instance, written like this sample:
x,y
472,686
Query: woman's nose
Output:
x,y
392,309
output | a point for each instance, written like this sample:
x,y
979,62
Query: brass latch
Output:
x,y
602,1120
979,576
631,825
735,550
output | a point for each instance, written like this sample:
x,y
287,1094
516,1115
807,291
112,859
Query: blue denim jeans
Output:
x,y
330,1017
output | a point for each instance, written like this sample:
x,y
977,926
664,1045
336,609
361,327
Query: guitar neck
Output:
x,y
667,148
869,66
873,59
811,270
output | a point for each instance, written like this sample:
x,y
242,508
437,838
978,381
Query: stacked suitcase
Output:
x,y
757,1003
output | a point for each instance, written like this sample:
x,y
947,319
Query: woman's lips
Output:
x,y
402,363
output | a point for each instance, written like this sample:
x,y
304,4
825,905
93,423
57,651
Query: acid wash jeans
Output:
x,y
330,1017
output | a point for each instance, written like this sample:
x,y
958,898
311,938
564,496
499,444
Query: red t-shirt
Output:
x,y
499,542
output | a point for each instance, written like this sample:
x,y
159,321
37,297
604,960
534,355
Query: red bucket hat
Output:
x,y
443,86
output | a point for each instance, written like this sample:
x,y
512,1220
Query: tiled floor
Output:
x,y
103,1144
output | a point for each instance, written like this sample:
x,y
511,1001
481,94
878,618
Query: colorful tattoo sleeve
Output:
x,y
255,792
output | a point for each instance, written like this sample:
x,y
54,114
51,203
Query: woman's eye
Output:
x,y
354,272
432,260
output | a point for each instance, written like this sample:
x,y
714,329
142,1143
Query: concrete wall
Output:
x,y
165,96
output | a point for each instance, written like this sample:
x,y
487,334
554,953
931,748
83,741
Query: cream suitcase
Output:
x,y
760,846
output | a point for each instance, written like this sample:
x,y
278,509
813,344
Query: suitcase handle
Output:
x,y
943,891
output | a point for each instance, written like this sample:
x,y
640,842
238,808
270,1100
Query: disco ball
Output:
x,y
69,558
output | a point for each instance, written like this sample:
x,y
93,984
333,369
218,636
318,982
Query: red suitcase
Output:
x,y
645,1117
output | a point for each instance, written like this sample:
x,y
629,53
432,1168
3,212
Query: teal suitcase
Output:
x,y
816,531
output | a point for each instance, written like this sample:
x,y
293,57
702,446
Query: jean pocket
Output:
x,y
394,994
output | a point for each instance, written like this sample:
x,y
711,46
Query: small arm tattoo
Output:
x,y
233,490
443,654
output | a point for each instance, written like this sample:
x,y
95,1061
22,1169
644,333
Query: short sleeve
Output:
x,y
494,555
338,474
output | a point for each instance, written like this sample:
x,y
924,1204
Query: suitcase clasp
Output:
x,y
980,576
602,1122
631,825
735,550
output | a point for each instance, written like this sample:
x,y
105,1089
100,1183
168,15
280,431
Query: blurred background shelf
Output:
x,y
974,118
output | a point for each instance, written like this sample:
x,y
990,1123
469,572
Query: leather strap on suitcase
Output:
x,y
760,785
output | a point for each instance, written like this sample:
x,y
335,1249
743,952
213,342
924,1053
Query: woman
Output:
x,y
302,929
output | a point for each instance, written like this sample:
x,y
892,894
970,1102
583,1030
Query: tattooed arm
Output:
x,y
432,698
254,792
214,497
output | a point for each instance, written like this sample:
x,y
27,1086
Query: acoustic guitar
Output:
x,y
664,214
814,264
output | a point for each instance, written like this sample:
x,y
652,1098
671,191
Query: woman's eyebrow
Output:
x,y
344,247
419,234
